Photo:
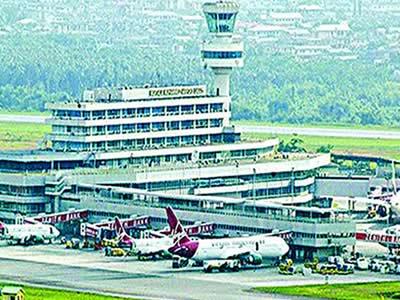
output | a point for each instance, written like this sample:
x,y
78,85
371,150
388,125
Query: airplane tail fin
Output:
x,y
178,232
121,232
2,227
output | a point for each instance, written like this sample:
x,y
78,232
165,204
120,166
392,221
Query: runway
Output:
x,y
325,132
54,266
23,119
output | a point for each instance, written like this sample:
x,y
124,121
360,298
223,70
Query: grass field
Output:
x,y
377,147
320,125
33,293
21,135
361,291
25,136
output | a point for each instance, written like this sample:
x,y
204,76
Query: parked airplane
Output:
x,y
26,234
144,247
249,250
388,197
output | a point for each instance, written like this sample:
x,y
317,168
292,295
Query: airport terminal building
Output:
x,y
135,150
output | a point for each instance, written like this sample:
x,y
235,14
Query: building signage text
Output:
x,y
176,92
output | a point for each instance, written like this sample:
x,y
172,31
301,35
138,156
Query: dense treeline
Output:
x,y
39,69
284,90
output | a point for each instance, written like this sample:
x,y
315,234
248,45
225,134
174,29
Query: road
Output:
x,y
325,132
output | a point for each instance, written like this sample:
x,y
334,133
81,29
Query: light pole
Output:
x,y
254,190
292,184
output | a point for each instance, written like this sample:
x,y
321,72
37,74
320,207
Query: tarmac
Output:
x,y
85,270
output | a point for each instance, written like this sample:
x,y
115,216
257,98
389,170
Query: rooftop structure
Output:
x,y
140,118
224,51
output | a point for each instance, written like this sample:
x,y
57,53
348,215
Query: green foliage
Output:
x,y
281,89
33,293
362,291
294,145
42,68
23,98
325,149
18,136
377,147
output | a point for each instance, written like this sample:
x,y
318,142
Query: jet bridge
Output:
x,y
56,218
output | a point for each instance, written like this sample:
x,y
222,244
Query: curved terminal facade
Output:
x,y
178,144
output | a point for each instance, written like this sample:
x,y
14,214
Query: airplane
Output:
x,y
395,200
249,250
26,234
146,247
392,198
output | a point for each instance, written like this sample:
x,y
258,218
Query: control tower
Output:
x,y
224,50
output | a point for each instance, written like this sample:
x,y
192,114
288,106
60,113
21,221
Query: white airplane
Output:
x,y
392,198
395,199
249,250
155,246
26,234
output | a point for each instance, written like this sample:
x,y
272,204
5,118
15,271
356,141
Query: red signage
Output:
x,y
378,238
127,223
194,230
93,230
61,217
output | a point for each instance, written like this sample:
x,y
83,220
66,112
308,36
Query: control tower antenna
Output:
x,y
224,50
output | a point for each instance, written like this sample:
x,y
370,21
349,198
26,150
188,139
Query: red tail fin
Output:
x,y
121,233
176,228
2,227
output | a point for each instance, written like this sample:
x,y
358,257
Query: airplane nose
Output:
x,y
284,248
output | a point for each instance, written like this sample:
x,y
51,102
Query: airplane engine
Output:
x,y
39,239
26,240
382,211
254,259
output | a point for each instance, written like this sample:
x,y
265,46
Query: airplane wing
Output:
x,y
156,234
151,251
31,221
362,200
22,239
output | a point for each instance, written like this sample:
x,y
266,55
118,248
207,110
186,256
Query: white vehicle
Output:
x,y
248,250
376,265
146,247
363,263
336,260
26,234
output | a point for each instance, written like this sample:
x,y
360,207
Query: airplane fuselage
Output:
x,y
151,246
24,232
263,246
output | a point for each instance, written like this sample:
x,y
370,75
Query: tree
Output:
x,y
325,149
294,145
